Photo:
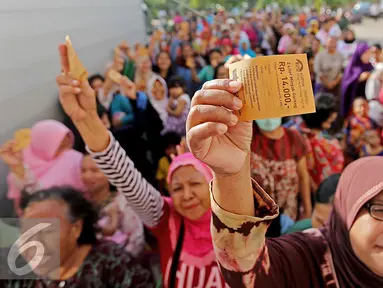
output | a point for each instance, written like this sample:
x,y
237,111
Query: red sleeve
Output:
x,y
298,144
163,224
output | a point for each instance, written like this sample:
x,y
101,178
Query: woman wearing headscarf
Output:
x,y
348,45
49,159
181,223
347,252
158,96
355,77
245,48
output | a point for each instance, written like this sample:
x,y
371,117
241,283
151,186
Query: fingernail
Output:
x,y
234,84
75,83
221,128
233,119
77,90
237,103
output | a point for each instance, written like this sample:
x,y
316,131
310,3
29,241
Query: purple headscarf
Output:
x,y
351,76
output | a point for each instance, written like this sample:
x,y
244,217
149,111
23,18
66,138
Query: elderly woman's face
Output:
x,y
65,236
366,236
190,192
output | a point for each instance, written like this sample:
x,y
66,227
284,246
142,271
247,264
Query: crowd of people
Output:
x,y
156,182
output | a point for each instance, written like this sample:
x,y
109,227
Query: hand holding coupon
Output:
x,y
219,122
273,86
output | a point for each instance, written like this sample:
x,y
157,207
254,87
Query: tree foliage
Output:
x,y
229,4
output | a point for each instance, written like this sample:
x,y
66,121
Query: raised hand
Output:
x,y
182,148
190,63
128,88
214,134
10,156
235,58
118,60
77,99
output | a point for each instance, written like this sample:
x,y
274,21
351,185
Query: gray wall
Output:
x,y
30,31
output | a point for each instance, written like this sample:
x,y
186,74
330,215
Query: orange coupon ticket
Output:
x,y
77,70
273,86
22,139
114,76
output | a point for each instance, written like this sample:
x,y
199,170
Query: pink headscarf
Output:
x,y
197,248
361,181
188,159
46,168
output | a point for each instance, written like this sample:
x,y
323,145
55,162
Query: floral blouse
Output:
x,y
325,156
107,265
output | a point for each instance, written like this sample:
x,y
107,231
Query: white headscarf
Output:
x,y
158,105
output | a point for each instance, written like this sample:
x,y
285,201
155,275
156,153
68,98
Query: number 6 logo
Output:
x,y
21,245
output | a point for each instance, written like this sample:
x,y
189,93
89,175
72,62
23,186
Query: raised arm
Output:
x,y
242,210
142,197
79,103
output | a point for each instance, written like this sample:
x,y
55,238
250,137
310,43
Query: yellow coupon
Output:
x,y
22,139
273,86
77,69
114,76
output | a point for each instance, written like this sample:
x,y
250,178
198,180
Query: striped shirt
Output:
x,y
143,198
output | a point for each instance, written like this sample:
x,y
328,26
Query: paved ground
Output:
x,y
370,30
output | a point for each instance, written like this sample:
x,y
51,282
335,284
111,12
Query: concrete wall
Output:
x,y
30,31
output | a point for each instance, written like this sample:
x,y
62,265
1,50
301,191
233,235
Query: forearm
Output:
x,y
305,192
239,240
108,85
234,193
142,197
194,75
93,132
304,183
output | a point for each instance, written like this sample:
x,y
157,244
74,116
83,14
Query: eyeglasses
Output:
x,y
376,211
